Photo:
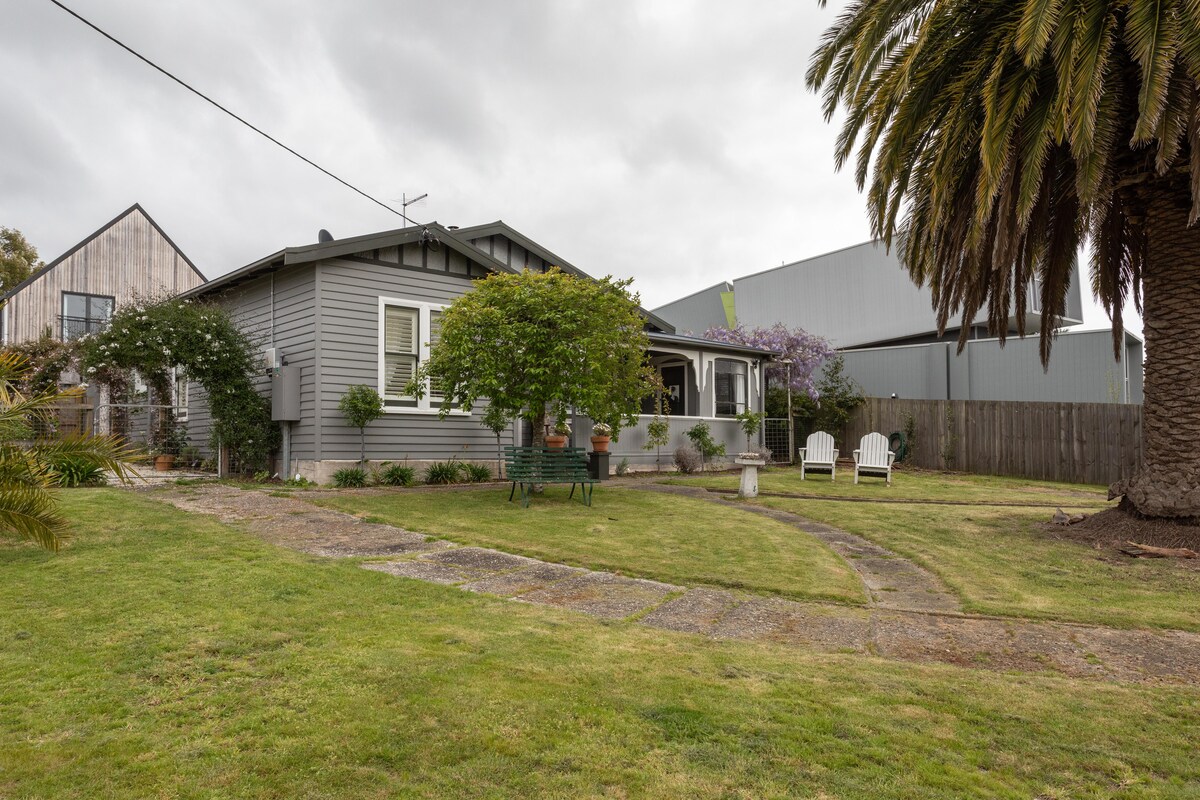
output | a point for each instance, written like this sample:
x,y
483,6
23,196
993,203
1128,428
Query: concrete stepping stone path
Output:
x,y
891,581
912,617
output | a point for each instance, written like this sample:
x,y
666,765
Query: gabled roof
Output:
x,y
304,254
457,240
72,251
501,228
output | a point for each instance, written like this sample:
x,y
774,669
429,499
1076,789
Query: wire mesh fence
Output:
x,y
775,439
153,428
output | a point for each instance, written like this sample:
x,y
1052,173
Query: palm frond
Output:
x,y
992,138
30,512
1150,31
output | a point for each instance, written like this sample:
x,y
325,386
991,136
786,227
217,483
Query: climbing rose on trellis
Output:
x,y
804,350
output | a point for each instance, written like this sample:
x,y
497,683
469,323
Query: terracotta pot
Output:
x,y
163,463
600,443
556,441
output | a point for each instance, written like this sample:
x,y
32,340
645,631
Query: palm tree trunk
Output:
x,y
1168,485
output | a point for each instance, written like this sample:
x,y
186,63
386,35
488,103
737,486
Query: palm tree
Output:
x,y
28,508
1000,135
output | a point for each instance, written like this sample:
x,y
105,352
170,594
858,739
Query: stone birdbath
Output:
x,y
750,462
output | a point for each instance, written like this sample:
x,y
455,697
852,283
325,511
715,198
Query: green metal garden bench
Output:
x,y
527,467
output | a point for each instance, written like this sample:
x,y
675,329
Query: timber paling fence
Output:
x,y
1096,443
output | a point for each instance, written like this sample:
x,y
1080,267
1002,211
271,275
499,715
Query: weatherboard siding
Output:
x,y
276,310
349,320
128,259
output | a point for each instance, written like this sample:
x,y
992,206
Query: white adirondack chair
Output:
x,y
819,453
873,457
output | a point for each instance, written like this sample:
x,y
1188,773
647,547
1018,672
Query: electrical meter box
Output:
x,y
285,394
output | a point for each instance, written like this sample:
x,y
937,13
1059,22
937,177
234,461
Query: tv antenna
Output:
x,y
405,202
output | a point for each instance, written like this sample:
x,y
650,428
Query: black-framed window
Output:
x,y
84,313
732,387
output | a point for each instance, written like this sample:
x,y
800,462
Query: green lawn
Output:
x,y
998,560
1003,561
164,655
909,485
663,537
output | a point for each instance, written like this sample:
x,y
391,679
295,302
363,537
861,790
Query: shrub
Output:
x,y
476,473
623,467
350,478
443,472
763,453
701,436
687,459
397,475
71,471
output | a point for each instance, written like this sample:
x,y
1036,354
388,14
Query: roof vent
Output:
x,y
451,227
324,236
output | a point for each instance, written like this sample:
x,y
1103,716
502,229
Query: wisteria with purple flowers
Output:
x,y
805,352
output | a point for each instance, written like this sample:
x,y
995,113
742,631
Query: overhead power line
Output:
x,y
208,99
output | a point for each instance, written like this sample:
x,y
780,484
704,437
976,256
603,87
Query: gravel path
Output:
x,y
915,623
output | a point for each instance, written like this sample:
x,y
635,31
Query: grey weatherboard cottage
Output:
x,y
360,311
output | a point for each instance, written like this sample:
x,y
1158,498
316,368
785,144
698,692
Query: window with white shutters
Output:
x,y
407,328
401,352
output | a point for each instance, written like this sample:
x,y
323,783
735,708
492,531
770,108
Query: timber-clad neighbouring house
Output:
x,y
363,310
77,293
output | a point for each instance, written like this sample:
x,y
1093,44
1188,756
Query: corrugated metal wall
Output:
x,y
1082,370
696,313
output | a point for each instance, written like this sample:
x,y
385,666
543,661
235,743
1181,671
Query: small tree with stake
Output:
x,y
361,405
658,434
495,420
750,422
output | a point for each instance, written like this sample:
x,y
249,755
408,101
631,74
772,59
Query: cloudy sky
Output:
x,y
673,142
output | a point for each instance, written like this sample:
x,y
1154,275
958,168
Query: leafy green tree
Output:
x,y
18,259
361,405
999,136
538,343
28,508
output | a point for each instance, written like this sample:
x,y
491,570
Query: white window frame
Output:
x,y
425,404
750,375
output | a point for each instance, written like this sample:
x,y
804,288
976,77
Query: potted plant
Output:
x,y
601,436
162,461
170,444
559,433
